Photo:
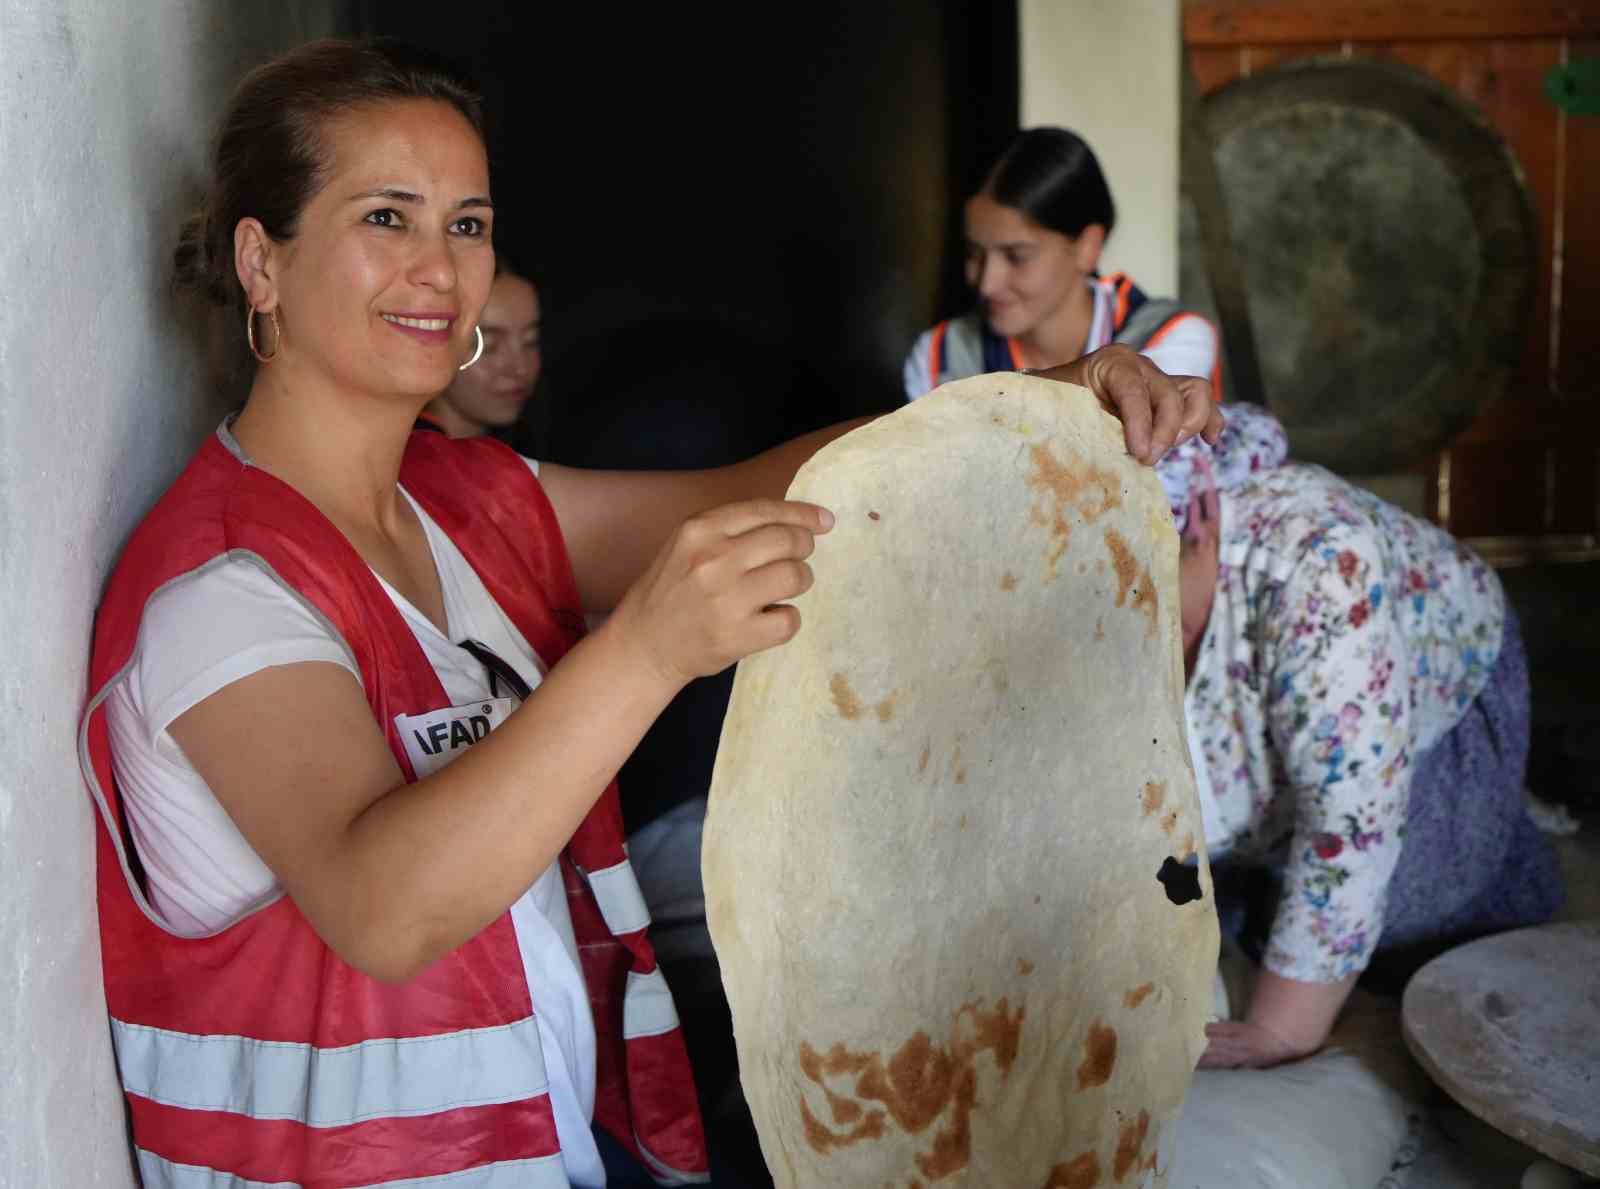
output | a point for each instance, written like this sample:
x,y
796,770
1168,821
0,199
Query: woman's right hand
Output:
x,y
716,593
1157,411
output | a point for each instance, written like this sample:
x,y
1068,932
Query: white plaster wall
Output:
x,y
1109,70
106,108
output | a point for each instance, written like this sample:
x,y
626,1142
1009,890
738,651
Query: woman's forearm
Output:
x,y
1299,1013
430,864
453,851
614,523
769,474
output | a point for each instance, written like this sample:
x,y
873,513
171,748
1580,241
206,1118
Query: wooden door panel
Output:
x,y
1525,476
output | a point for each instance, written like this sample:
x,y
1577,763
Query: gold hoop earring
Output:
x,y
250,334
476,355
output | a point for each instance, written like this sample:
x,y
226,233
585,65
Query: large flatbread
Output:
x,y
953,860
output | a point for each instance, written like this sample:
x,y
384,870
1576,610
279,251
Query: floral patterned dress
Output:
x,y
1346,638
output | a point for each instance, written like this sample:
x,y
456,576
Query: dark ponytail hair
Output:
x,y
270,157
1051,175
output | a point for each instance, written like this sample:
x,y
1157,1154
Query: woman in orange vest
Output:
x,y
366,915
1035,231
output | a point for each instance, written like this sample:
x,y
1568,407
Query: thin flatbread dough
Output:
x,y
953,860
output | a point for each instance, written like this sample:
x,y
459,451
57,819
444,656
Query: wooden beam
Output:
x,y
1287,22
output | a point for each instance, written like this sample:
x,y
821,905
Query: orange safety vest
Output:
x,y
965,346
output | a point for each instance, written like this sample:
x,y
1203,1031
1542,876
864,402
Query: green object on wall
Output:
x,y
1575,87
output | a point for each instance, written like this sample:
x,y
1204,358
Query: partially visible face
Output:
x,y
384,280
492,391
1198,568
1023,273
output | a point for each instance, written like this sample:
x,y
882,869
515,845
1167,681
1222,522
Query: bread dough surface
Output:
x,y
951,823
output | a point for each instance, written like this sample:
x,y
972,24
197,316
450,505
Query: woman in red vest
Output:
x,y
365,910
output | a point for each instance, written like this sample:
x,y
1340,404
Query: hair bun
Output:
x,y
195,260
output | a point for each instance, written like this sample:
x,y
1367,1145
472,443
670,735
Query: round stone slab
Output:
x,y
1509,1026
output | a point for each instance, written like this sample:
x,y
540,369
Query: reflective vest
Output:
x,y
256,1055
965,346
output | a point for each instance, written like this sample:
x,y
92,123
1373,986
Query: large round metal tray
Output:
x,y
1388,249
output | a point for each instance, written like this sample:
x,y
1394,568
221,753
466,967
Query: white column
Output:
x,y
1109,70
106,110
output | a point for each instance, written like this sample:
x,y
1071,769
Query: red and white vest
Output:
x,y
258,1054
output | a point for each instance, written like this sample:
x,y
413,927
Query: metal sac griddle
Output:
x,y
1387,248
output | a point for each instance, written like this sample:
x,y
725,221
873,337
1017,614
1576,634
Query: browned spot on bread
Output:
x,y
844,698
1092,491
919,1081
920,1084
916,1085
1024,967
961,824
1146,600
810,1062
1099,629
818,1136
1008,581
1122,561
1148,1164
952,1143
1131,578
1155,792
998,1031
841,1060
1130,1141
1169,823
885,708
1099,1056
958,767
927,754
824,1140
1138,995
873,516
1088,490
845,1110
1188,846
1081,1172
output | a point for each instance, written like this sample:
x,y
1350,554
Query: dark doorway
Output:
x,y
789,177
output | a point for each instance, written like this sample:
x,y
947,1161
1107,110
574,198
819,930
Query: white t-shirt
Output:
x,y
203,875
1187,347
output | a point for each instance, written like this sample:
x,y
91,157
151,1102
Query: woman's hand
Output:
x,y
1241,1044
715,594
1157,411
1288,1019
